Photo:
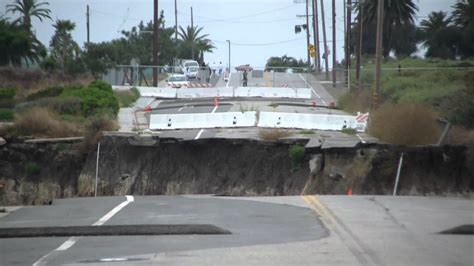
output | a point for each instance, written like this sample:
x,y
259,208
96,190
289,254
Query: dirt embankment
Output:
x,y
225,167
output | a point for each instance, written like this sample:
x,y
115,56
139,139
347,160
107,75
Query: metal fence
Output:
x,y
143,75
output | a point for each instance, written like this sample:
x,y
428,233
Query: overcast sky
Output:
x,y
257,29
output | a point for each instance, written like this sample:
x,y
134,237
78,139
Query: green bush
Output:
x,y
7,93
49,92
6,114
33,169
95,99
296,153
101,85
63,105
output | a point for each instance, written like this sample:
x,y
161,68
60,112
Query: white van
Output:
x,y
188,63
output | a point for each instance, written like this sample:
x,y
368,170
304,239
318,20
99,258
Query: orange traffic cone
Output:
x,y
147,109
216,102
349,193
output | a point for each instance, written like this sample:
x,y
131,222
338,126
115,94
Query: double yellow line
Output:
x,y
320,209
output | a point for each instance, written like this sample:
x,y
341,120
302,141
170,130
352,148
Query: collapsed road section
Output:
x,y
36,173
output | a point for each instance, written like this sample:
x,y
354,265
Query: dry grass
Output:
x,y
42,122
460,136
405,124
274,134
28,82
94,128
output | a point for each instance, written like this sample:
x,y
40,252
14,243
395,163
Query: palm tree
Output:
x,y
191,38
463,17
62,45
463,13
397,13
29,9
439,36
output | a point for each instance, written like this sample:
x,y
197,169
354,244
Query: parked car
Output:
x,y
192,72
188,63
177,81
246,67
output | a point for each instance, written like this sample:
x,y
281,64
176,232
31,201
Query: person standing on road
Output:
x,y
244,78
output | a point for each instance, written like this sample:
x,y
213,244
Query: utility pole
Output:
x,y
229,54
378,54
326,63
359,43
176,21
307,35
192,28
334,43
88,28
155,43
317,61
348,41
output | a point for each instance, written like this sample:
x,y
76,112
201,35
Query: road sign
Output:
x,y
311,48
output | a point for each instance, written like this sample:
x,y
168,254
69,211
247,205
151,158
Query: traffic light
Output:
x,y
297,28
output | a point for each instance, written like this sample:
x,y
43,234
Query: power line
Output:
x,y
241,17
261,44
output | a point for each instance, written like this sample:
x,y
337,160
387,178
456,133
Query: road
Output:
x,y
131,118
290,230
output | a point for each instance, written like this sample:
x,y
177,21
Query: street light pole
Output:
x,y
378,54
228,41
155,43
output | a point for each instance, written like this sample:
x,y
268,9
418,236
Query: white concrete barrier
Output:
x,y
206,120
310,121
157,92
273,92
221,92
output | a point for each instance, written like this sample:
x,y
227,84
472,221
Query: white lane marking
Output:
x,y
312,89
72,240
361,139
111,213
228,79
69,243
184,106
199,134
202,130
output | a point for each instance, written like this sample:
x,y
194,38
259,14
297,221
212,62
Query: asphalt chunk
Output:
x,y
113,230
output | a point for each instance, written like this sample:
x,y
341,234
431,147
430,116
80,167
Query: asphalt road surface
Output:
x,y
292,230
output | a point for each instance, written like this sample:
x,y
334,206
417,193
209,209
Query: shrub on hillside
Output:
x,y
42,122
405,124
356,101
127,97
7,93
94,129
6,114
49,92
296,153
101,85
96,98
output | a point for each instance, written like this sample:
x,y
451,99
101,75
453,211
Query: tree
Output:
x,y
193,44
97,58
29,9
281,64
397,14
63,48
15,44
440,37
463,17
